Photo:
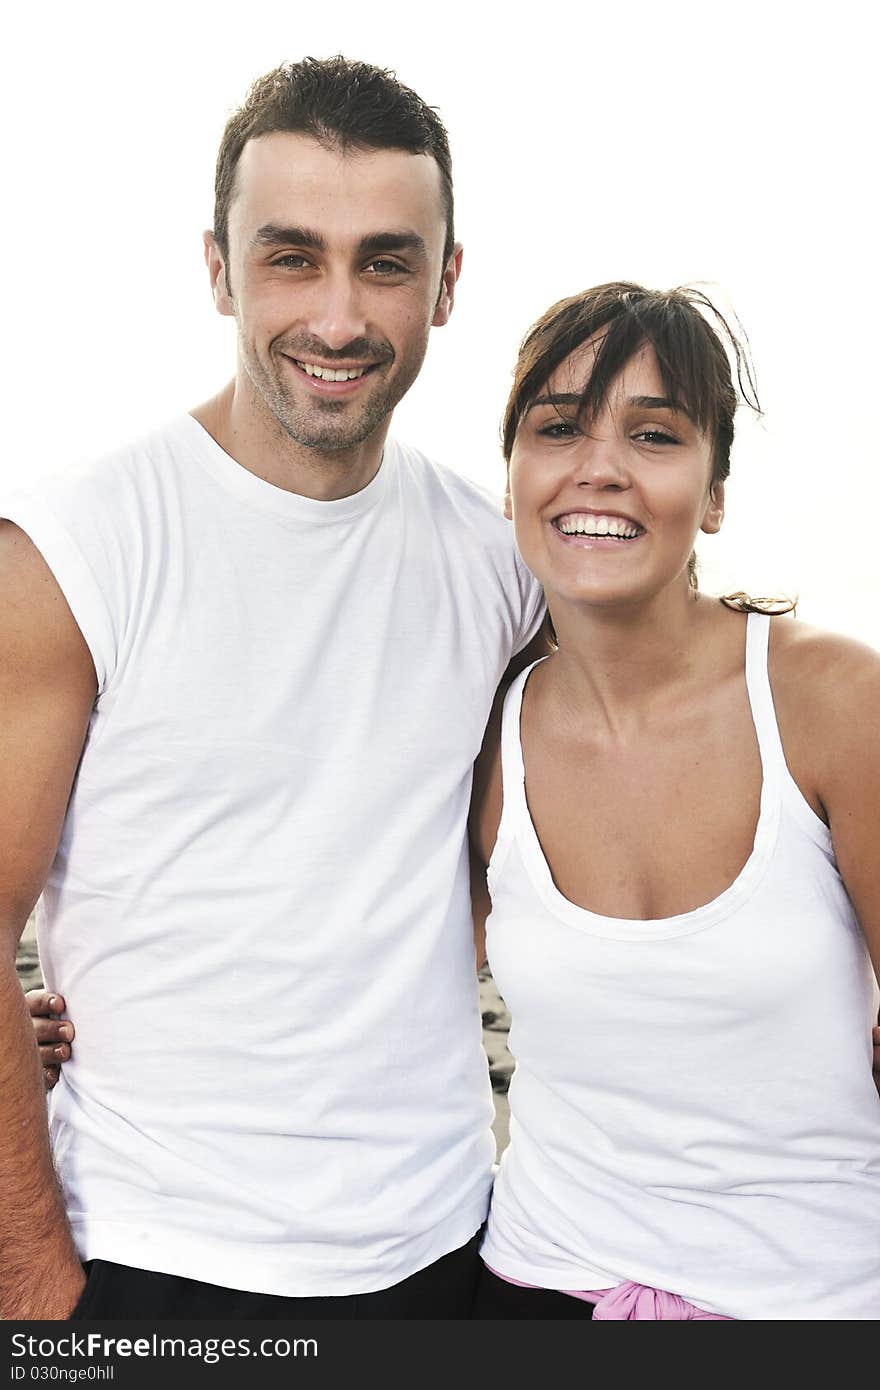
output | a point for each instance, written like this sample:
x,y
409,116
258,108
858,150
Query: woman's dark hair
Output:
x,y
697,353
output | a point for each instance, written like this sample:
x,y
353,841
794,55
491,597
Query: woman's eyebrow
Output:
x,y
656,403
639,402
559,398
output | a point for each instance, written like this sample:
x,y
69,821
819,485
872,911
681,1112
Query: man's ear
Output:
x,y
446,298
508,504
217,275
714,514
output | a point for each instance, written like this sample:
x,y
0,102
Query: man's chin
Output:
x,y
327,430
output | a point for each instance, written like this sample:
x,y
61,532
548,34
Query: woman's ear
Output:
x,y
508,500
714,513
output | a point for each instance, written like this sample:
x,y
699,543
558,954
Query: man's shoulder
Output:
x,y
174,439
105,478
443,486
467,525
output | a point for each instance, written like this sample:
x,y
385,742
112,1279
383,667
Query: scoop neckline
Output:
x,y
681,923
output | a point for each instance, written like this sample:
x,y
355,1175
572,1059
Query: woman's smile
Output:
x,y
592,530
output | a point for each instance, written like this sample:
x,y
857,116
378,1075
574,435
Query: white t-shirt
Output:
x,y
259,908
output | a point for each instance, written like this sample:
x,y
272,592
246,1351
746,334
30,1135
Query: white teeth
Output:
x,y
330,374
579,524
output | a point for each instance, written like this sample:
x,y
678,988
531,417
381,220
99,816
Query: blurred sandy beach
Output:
x,y
496,1022
26,962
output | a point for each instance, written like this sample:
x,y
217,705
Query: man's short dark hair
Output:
x,y
342,103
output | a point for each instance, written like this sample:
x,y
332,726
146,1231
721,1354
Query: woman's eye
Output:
x,y
559,429
655,436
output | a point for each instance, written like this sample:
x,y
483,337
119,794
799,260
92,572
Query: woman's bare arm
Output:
x,y
485,814
827,693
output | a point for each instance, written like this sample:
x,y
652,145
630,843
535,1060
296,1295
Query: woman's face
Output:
x,y
606,511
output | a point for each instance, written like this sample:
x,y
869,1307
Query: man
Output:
x,y
248,665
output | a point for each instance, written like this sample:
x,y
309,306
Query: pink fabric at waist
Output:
x,y
628,1302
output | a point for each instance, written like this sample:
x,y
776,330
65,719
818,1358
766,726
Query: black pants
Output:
x,y
444,1289
495,1298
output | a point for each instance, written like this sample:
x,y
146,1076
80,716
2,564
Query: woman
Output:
x,y
676,894
680,852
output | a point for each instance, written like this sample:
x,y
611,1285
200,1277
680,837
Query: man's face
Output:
x,y
335,277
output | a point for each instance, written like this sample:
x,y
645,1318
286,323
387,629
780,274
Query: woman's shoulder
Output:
x,y
826,688
819,665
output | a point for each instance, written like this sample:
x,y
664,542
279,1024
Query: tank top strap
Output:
x,y
513,791
761,696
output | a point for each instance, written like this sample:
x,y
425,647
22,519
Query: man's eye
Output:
x,y
291,261
383,267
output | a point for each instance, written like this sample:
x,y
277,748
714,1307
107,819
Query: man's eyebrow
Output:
x,y
272,234
377,242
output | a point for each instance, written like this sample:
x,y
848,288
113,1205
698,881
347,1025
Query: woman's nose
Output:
x,y
599,463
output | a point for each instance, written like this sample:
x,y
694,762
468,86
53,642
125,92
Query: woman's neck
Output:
x,y
624,663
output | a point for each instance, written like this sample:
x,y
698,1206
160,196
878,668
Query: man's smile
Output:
x,y
331,380
331,373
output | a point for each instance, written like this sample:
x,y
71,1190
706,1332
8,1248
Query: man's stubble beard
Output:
x,y
324,425
329,426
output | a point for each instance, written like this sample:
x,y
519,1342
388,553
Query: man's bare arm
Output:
x,y
47,690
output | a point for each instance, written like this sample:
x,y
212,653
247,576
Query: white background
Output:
x,y
734,144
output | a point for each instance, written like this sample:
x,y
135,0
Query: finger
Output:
x,y
53,1030
44,1003
52,1055
50,1077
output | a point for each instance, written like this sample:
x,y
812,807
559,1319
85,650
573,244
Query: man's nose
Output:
x,y
337,314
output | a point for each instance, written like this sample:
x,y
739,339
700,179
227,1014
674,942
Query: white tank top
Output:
x,y
693,1107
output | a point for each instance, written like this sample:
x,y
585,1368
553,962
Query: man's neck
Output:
x,y
257,442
